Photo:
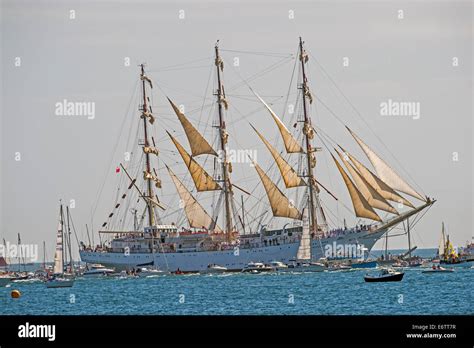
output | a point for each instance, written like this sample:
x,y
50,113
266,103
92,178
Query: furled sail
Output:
x,y
198,144
304,249
195,213
442,243
381,187
370,194
361,207
385,172
291,145
58,255
202,180
281,205
289,175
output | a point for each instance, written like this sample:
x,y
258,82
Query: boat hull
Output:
x,y
230,259
67,283
391,278
462,264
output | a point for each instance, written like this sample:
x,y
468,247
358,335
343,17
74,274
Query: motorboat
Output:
x,y
214,269
385,275
144,272
279,266
306,266
97,270
256,267
333,267
60,281
438,269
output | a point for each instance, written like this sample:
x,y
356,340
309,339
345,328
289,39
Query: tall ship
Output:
x,y
227,232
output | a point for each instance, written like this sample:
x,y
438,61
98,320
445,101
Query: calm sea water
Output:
x,y
310,293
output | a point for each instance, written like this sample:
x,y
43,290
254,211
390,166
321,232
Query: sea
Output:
x,y
323,293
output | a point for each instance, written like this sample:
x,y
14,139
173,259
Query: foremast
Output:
x,y
147,175
223,136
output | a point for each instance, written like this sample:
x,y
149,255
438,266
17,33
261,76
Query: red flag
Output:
x,y
117,170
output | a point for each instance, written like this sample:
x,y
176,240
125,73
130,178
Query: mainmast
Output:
x,y
223,141
148,178
309,149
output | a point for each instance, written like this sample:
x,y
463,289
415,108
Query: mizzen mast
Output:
x,y
223,135
308,134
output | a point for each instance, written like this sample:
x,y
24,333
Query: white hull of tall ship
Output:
x,y
199,261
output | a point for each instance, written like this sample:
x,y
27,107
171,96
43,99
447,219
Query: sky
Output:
x,y
52,51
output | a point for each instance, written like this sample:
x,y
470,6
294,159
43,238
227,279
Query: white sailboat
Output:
x,y
60,279
303,261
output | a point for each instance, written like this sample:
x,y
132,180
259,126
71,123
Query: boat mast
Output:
x,y
223,140
19,255
409,239
44,255
309,149
149,194
69,240
61,214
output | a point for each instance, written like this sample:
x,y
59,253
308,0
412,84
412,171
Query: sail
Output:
x,y
361,207
195,213
198,144
202,180
289,175
281,205
385,172
304,249
442,243
381,187
370,194
58,255
291,145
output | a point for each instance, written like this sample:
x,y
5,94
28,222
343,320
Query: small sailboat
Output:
x,y
303,262
385,275
60,279
448,255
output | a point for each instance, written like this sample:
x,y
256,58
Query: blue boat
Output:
x,y
364,264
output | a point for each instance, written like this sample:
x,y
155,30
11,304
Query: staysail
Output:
x,y
198,144
195,213
304,249
202,180
58,255
361,207
281,205
381,187
385,172
370,194
289,175
291,145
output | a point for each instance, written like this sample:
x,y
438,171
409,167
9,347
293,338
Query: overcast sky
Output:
x,y
82,59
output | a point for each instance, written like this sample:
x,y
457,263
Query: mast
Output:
x,y
61,213
69,240
409,239
309,149
149,193
44,255
19,255
223,141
